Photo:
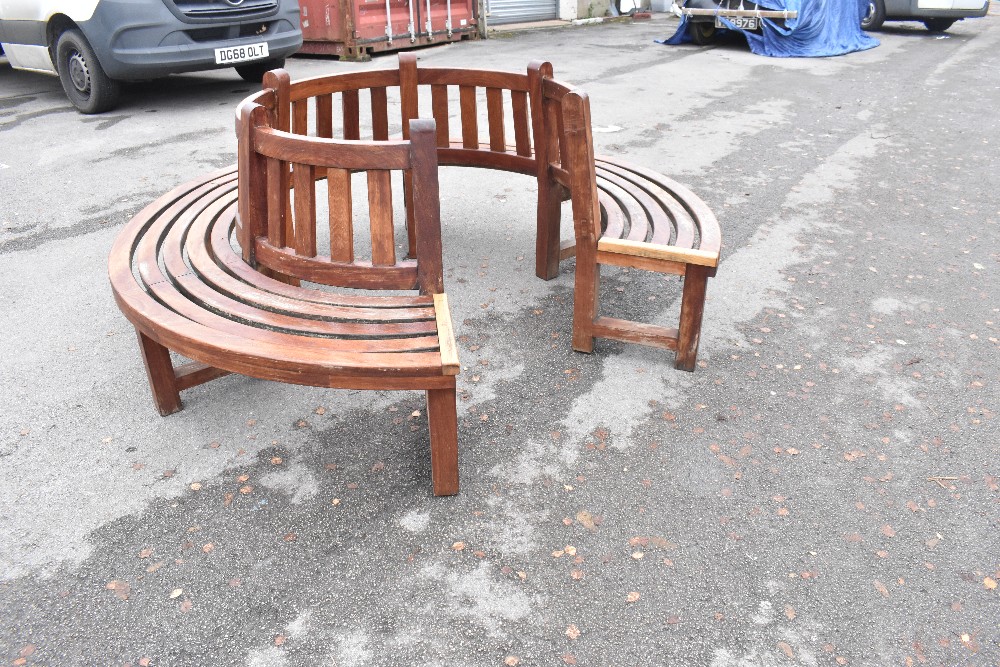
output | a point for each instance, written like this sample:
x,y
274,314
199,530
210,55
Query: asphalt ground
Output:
x,y
823,490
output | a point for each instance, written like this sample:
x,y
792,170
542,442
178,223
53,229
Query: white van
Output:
x,y
92,45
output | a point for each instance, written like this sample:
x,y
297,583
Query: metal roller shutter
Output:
x,y
521,11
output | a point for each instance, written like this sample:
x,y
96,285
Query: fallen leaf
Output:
x,y
576,575
208,548
888,531
290,537
638,555
569,659
512,661
790,612
246,489
276,460
458,546
176,593
633,596
120,588
196,486
186,605
279,640
586,520
880,587
990,583
572,631
786,649
146,553
145,661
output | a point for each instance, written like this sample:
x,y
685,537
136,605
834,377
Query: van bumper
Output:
x,y
145,40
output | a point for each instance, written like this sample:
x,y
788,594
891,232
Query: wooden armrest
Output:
x,y
658,251
446,335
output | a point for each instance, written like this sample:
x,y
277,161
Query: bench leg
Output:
x,y
160,371
585,299
547,231
692,309
442,418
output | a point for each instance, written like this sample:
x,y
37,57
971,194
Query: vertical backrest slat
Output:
x,y
304,182
439,109
380,114
522,134
300,117
553,119
252,188
560,128
281,83
578,148
470,119
408,97
277,202
494,111
338,183
352,114
324,116
427,207
380,216
537,73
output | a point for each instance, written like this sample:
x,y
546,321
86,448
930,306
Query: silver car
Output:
x,y
937,15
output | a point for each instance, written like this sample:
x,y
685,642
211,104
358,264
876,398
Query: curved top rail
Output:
x,y
338,83
320,152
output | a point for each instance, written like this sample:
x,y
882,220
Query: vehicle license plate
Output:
x,y
741,22
239,54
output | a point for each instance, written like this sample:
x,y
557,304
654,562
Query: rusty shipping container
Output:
x,y
357,28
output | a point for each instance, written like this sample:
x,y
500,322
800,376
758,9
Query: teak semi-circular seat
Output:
x,y
220,270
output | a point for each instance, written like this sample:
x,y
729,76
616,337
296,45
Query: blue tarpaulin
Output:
x,y
822,28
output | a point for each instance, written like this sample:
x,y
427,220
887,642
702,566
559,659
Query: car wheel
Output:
x,y
875,15
254,72
82,77
701,32
938,25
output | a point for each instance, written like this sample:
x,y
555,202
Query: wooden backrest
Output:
x,y
279,207
484,118
576,148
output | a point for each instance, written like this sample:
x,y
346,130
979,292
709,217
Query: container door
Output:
x,y
446,16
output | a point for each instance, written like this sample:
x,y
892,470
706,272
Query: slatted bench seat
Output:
x,y
177,277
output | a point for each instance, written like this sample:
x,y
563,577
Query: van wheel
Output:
x,y
82,77
938,25
874,16
701,32
254,73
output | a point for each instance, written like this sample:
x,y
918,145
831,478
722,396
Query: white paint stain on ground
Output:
x,y
415,522
478,594
296,480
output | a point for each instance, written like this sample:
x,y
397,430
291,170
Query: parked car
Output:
x,y
936,15
777,28
94,45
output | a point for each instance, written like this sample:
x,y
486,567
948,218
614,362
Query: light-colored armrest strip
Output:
x,y
657,251
446,335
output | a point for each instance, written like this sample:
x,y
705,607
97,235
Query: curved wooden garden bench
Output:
x,y
214,270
